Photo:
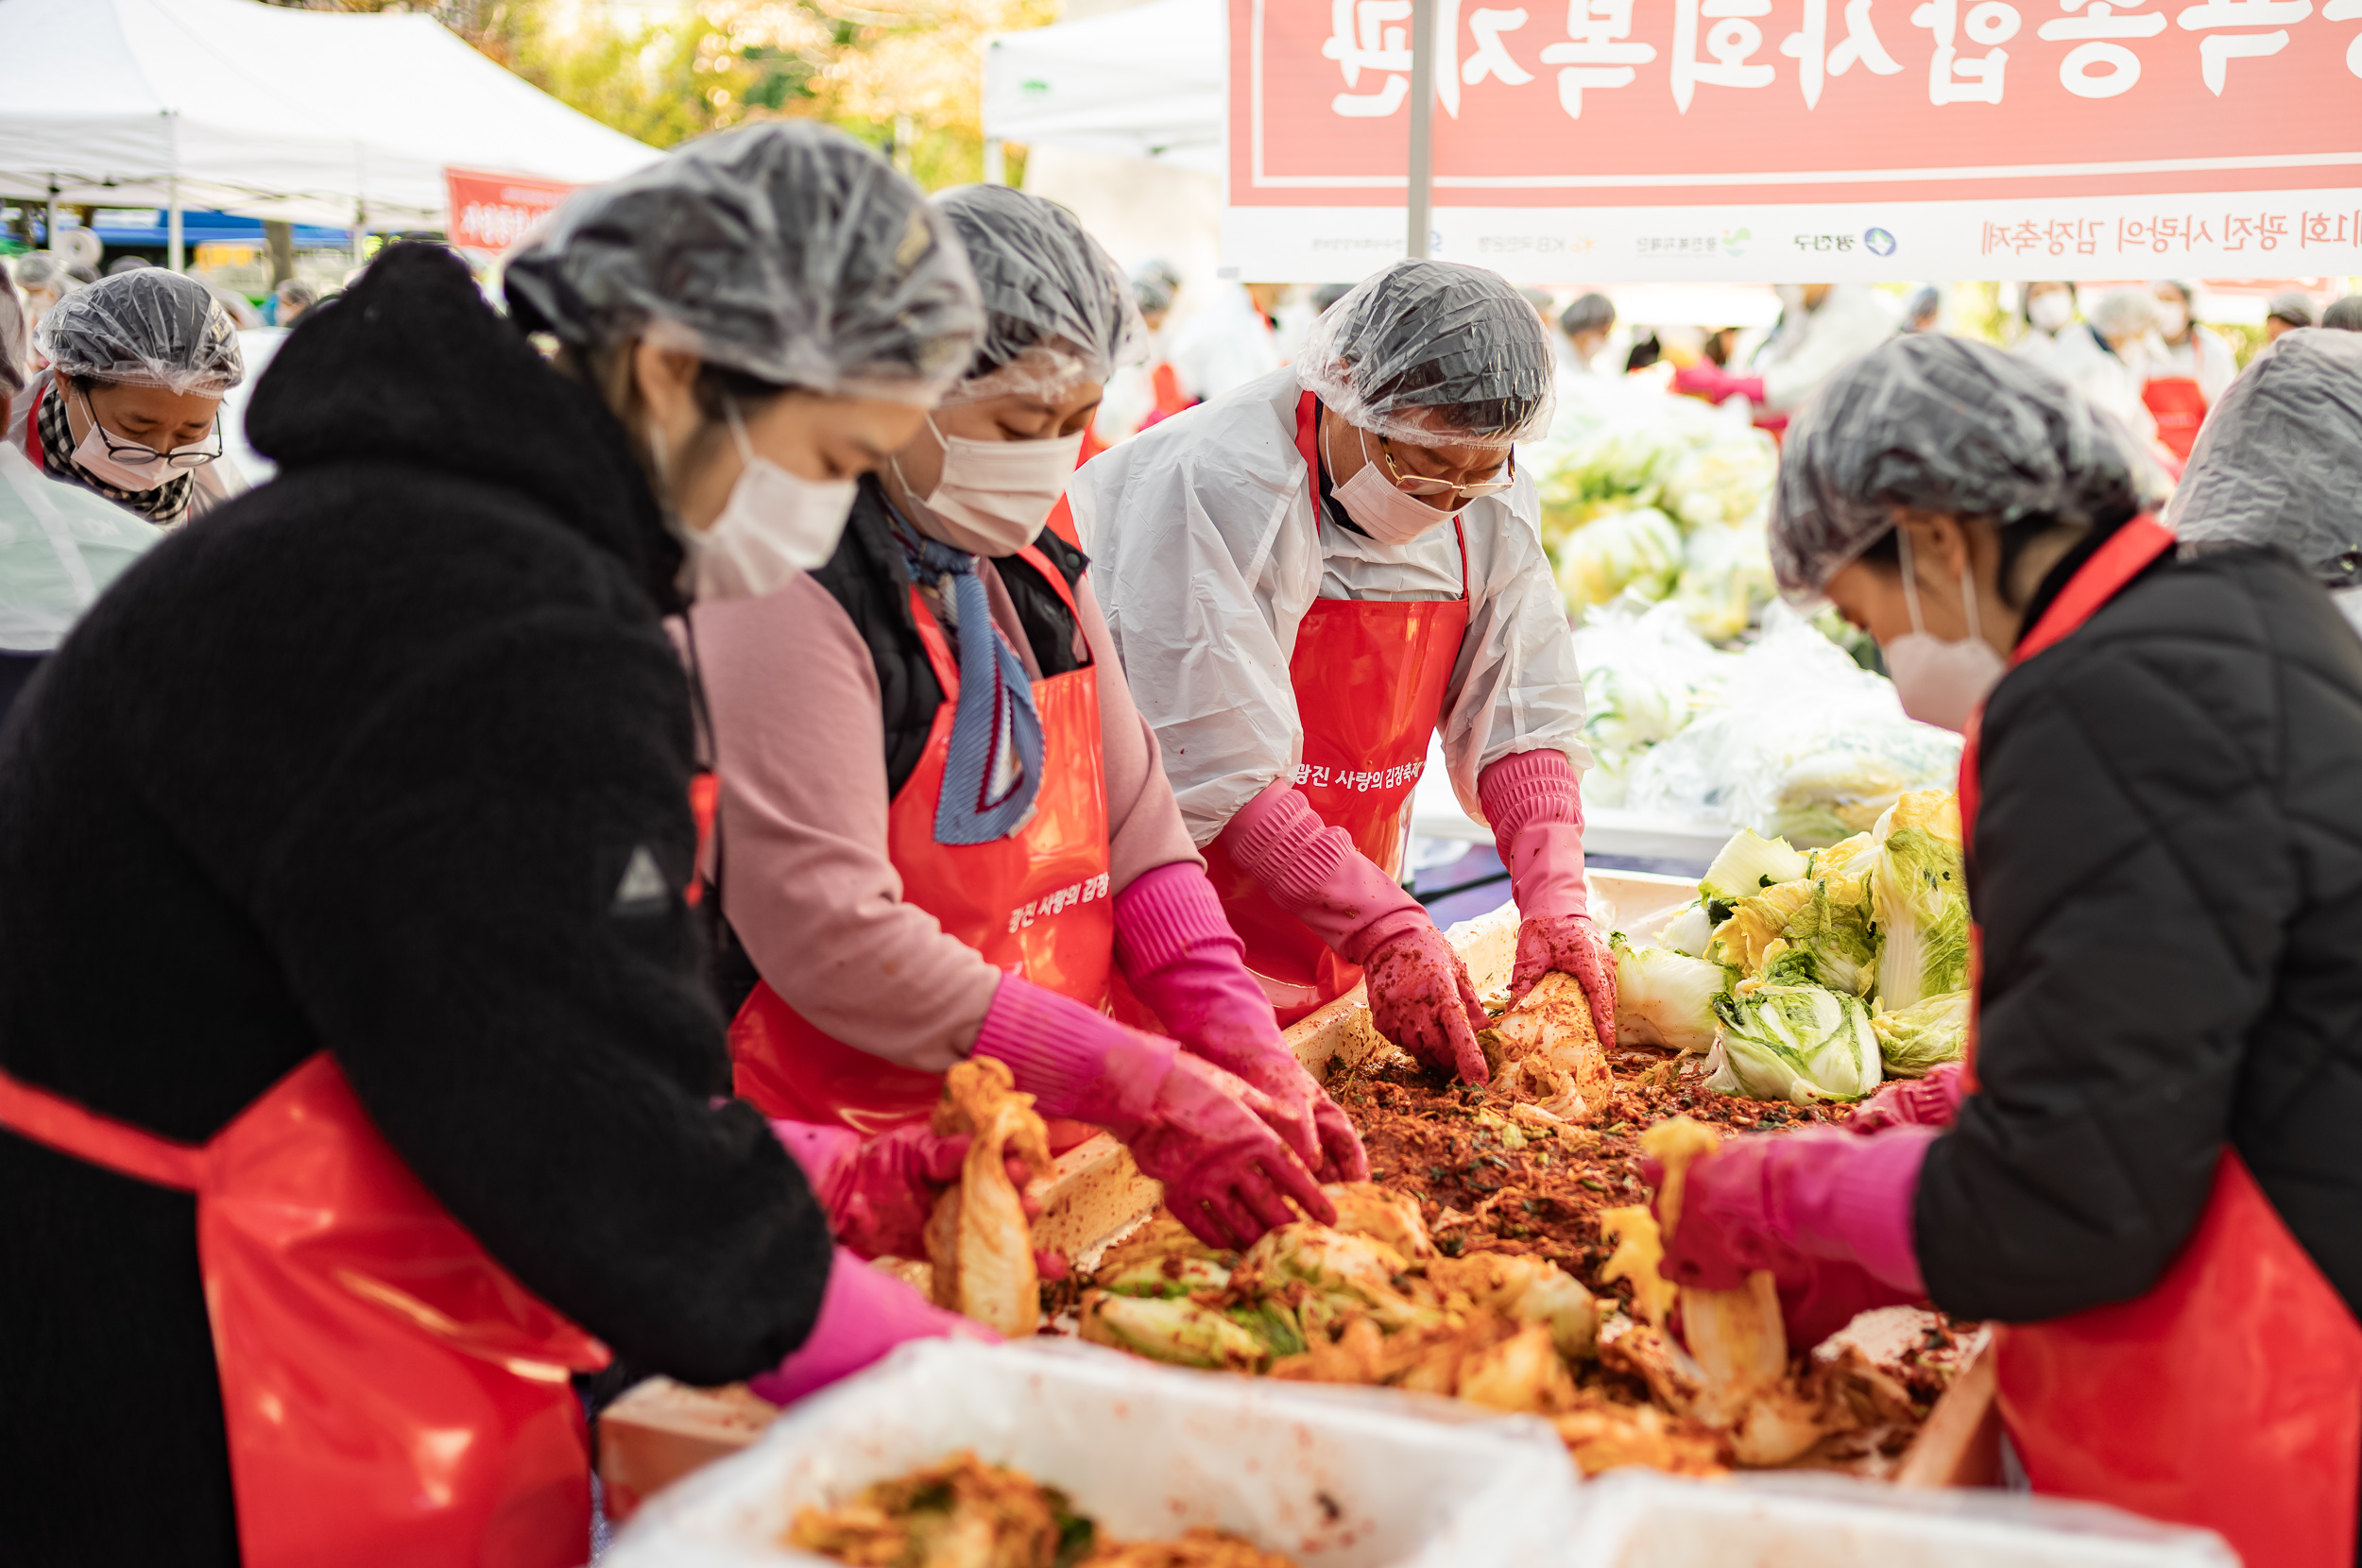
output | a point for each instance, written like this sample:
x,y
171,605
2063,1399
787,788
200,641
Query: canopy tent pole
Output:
x,y
995,162
49,224
174,254
1422,122
360,205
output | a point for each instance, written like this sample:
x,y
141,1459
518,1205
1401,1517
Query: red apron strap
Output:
x,y
2125,556
32,432
1032,555
938,652
59,1124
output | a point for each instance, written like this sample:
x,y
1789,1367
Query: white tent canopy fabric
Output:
x,y
270,113
1146,82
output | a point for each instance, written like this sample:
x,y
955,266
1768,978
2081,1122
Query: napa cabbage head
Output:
x,y
1923,1036
1920,896
1832,931
1793,1042
1666,999
1639,550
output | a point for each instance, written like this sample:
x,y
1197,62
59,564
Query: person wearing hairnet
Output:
x,y
1584,326
944,832
1140,394
59,545
44,276
2280,462
2145,1167
2285,311
2188,367
1310,578
379,784
1821,328
2344,315
129,405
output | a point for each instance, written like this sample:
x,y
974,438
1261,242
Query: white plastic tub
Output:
x,y
1335,1478
1638,1519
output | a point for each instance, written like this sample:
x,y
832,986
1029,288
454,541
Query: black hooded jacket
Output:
x,y
2168,867
359,763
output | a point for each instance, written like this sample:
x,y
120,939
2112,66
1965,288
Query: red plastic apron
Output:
x,y
2231,1394
2179,408
1369,677
1035,903
392,1395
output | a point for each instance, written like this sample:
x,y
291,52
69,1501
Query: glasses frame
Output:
x,y
181,459
1423,486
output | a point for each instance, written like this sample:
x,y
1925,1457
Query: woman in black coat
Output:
x,y
2149,1169
376,784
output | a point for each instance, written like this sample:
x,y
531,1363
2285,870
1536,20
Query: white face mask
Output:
x,y
773,525
2050,310
140,469
1939,682
1380,510
993,497
2172,320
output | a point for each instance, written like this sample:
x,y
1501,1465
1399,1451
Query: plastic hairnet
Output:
x,y
2279,460
2345,315
1433,352
1155,284
1947,425
45,270
1059,312
2291,305
147,328
1590,313
2124,312
14,370
785,251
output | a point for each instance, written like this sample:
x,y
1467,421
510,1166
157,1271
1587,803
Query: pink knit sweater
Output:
x,y
807,884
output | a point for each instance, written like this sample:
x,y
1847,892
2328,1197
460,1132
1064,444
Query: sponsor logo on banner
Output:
x,y
1878,241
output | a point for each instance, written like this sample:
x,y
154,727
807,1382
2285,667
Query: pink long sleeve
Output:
x,y
807,883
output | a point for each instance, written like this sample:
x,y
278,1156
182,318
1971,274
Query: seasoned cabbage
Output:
x,y
1923,1036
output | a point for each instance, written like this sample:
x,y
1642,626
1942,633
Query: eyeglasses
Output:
x,y
1424,488
133,455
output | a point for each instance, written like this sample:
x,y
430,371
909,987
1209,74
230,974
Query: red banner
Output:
x,y
492,211
1739,113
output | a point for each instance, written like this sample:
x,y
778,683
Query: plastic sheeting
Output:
x,y
1059,312
1206,555
59,547
2279,460
1434,353
786,250
146,328
1945,425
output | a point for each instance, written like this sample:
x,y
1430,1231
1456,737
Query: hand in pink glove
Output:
x,y
1418,988
1714,383
1181,958
1202,1131
1929,1101
878,1191
1828,1214
863,1315
1535,807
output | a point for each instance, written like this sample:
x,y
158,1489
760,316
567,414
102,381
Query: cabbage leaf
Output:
x,y
1924,1035
1666,999
1920,894
1794,1042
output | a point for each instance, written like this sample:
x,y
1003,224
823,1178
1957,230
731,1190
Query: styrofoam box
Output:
x,y
1640,1519
1335,1478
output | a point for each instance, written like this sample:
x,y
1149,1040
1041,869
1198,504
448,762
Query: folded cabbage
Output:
x,y
977,1239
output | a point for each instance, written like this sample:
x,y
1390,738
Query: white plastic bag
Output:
x,y
1646,676
1335,1478
1640,1519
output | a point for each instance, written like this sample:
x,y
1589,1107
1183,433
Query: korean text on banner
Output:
x,y
492,211
1804,140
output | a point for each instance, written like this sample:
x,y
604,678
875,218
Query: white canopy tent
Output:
x,y
269,112
1146,82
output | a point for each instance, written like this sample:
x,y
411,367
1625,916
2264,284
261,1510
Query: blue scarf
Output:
x,y
994,769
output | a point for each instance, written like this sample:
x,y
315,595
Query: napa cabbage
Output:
x,y
1920,893
1923,1036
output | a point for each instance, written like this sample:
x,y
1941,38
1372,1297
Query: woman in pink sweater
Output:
x,y
944,828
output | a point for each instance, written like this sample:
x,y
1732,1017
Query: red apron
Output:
x,y
2179,408
2229,1396
1369,677
1035,903
392,1395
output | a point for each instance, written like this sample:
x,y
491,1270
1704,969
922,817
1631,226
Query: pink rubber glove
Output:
x,y
1420,998
1929,1101
1182,960
878,1191
1202,1131
1535,807
1827,1213
863,1314
1714,383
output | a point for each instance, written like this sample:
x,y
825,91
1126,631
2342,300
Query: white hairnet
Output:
x,y
1942,424
786,250
2124,312
2279,460
45,270
147,328
1433,352
15,370
1059,312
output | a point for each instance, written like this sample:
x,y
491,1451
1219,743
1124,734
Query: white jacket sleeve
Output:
x,y
1852,320
1517,686
1205,560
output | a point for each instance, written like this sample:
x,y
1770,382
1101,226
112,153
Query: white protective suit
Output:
x,y
2075,354
1206,555
59,547
1851,319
